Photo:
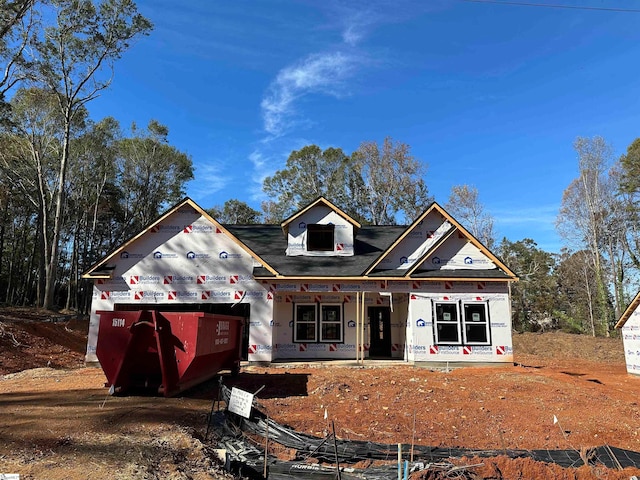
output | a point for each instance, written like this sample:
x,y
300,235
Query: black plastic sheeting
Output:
x,y
349,452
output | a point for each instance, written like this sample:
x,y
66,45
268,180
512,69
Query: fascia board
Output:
x,y
285,224
628,311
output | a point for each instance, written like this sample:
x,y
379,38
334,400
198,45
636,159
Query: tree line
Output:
x,y
586,287
72,189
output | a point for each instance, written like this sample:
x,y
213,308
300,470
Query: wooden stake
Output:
x,y
357,329
266,449
362,316
335,449
413,435
213,404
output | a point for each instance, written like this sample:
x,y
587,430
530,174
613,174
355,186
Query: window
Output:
x,y
305,323
320,237
476,326
447,329
461,323
331,323
309,328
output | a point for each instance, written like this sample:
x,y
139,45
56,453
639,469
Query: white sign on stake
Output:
x,y
240,402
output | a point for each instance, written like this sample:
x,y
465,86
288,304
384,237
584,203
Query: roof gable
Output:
x,y
192,217
435,235
319,201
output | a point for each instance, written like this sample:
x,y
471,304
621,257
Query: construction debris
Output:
x,y
316,457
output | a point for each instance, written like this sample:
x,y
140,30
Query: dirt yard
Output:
x,y
58,421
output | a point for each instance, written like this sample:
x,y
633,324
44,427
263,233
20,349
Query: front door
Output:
x,y
380,327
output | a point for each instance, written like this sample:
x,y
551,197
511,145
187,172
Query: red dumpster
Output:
x,y
166,351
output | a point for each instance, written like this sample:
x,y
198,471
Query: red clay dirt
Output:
x,y
59,422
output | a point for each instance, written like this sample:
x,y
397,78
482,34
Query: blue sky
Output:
x,y
489,95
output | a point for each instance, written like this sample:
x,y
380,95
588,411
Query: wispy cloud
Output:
x,y
323,73
516,223
355,25
356,19
209,180
267,158
544,215
329,72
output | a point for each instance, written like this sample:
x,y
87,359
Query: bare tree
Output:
x,y
586,210
391,182
29,160
235,212
11,14
151,176
70,59
308,174
17,21
465,206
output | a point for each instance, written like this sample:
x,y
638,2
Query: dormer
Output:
x,y
319,230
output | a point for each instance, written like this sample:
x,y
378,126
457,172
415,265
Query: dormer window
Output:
x,y
320,230
320,237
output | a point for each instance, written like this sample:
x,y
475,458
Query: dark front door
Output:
x,y
380,326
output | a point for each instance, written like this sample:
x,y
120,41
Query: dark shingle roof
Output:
x,y
270,243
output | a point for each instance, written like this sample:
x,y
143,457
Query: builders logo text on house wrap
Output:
x,y
183,294
148,294
173,279
158,255
254,294
205,279
195,228
240,278
193,255
144,279
225,255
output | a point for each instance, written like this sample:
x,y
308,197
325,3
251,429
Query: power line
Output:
x,y
547,5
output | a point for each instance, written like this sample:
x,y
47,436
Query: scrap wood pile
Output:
x,y
315,457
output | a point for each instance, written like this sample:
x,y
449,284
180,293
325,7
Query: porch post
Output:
x,y
357,326
362,317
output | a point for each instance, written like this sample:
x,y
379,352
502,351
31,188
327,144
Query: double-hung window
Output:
x,y
331,322
318,323
447,324
461,323
476,324
305,323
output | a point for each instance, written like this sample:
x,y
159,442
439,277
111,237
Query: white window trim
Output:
x,y
339,322
296,322
457,322
486,322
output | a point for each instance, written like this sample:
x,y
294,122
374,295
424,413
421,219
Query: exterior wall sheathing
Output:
x,y
631,342
186,259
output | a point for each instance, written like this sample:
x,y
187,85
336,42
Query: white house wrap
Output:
x,y
629,324
320,285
